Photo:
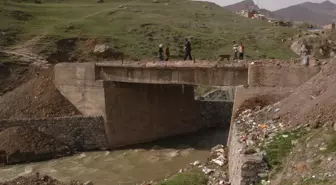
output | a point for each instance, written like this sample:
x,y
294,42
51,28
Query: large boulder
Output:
x,y
101,49
299,47
104,51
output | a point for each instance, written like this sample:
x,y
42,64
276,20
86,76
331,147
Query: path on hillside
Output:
x,y
30,58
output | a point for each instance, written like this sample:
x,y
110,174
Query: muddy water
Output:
x,y
153,161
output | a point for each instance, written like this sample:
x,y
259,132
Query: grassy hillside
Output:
x,y
137,27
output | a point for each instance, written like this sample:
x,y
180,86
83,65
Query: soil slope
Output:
x,y
14,73
25,139
37,98
311,106
314,101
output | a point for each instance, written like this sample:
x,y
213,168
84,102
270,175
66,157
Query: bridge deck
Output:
x,y
176,72
172,64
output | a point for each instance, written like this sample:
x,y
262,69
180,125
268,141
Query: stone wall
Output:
x,y
215,113
80,133
244,169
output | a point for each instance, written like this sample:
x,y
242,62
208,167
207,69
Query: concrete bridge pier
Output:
x,y
137,113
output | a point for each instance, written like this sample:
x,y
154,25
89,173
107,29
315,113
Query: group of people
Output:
x,y
238,51
164,55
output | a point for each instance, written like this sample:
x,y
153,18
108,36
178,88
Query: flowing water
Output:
x,y
153,161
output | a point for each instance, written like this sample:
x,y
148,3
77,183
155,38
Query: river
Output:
x,y
152,161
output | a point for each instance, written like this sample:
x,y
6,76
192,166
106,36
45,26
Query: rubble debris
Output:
x,y
217,166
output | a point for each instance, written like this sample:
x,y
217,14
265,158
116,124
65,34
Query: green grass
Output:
x,y
138,29
194,177
331,144
314,181
280,147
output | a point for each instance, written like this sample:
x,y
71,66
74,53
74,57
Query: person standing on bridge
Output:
x,y
187,49
167,53
241,51
160,52
235,50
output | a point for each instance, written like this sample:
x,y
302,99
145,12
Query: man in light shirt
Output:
x,y
235,50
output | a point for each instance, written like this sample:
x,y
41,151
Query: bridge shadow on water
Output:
x,y
203,139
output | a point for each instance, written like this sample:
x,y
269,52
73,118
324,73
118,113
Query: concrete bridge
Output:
x,y
145,101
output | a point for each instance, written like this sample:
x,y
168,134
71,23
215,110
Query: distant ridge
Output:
x,y
316,13
248,5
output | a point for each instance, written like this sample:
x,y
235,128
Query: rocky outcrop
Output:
x,y
320,45
299,47
106,52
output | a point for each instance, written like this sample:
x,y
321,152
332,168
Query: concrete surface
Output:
x,y
280,75
137,113
77,83
173,74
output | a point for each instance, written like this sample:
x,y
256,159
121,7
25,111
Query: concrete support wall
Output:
x,y
138,113
77,83
267,75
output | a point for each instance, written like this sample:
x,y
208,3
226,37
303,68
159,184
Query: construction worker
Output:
x,y
187,49
160,52
235,50
167,53
241,51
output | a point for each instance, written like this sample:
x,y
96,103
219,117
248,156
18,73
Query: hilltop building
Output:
x,y
329,26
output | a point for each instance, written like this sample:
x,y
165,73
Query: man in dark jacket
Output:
x,y
187,48
161,52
